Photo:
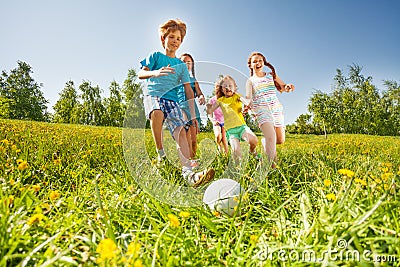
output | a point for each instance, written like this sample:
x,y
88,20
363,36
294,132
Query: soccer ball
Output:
x,y
223,196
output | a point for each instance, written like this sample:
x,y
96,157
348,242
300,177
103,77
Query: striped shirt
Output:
x,y
265,102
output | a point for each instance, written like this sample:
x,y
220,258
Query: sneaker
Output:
x,y
199,178
160,158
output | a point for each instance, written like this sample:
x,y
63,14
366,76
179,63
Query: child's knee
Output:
x,y
280,140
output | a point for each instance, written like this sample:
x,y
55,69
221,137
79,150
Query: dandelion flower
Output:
x,y
54,195
184,214
36,218
327,182
107,249
253,239
23,165
5,141
346,172
360,181
133,249
36,187
57,161
331,196
216,213
173,220
138,263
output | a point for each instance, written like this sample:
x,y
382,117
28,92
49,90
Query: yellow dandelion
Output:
x,y
107,249
360,181
13,147
18,151
133,249
173,220
54,195
11,199
57,161
184,214
384,169
35,219
386,176
331,196
5,141
216,213
253,239
327,182
386,186
36,187
346,172
23,165
138,263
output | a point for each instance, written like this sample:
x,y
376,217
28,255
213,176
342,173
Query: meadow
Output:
x,y
69,198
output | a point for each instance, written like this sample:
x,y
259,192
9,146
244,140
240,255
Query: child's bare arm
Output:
x,y
199,93
146,73
211,107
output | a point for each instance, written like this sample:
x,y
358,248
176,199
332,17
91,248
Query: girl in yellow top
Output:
x,y
231,103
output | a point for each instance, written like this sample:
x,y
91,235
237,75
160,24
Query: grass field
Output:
x,y
68,198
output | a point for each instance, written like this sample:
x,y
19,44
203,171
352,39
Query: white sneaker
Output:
x,y
199,178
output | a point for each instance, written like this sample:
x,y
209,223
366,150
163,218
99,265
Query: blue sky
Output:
x,y
98,40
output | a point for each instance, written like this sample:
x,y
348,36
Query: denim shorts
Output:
x,y
173,116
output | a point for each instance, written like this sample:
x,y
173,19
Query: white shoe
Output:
x,y
199,178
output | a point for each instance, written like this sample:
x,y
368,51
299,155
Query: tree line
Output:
x,y
355,105
21,98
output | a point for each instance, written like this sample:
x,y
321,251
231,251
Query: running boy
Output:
x,y
164,73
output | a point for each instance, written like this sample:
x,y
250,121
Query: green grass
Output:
x,y
68,198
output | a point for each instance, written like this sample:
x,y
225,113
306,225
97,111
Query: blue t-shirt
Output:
x,y
165,86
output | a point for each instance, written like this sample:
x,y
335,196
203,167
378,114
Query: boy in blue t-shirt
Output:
x,y
164,74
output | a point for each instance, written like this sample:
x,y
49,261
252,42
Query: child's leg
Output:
x,y
192,141
269,142
224,141
218,136
156,123
252,139
280,135
182,145
236,150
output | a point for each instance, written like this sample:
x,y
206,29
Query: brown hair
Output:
x,y
218,85
188,55
266,63
170,26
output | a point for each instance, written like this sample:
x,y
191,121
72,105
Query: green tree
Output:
x,y
67,105
114,106
133,100
21,97
92,110
356,106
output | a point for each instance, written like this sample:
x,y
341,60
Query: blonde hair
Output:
x,y
218,85
171,26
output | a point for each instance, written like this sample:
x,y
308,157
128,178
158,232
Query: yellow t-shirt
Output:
x,y
232,109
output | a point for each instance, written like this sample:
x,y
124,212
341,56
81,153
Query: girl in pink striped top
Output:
x,y
260,89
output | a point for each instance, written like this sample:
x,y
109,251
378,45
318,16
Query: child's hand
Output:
x,y
202,100
289,87
245,109
164,71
